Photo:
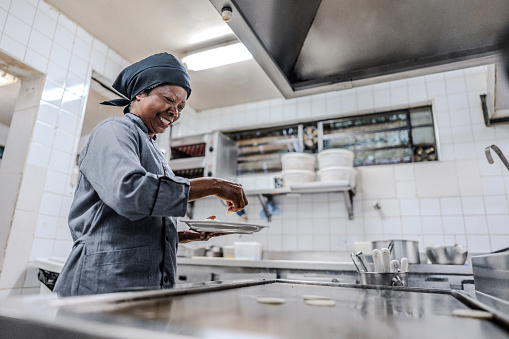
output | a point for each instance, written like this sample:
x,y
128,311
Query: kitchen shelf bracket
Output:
x,y
269,198
348,193
349,202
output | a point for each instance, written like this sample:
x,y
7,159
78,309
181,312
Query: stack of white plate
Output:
x,y
297,168
336,165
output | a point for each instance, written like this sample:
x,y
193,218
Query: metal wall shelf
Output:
x,y
346,188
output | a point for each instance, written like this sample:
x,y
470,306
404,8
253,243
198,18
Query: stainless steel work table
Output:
x,y
206,269
314,265
230,310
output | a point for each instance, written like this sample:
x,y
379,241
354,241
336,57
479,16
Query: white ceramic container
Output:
x,y
291,177
335,158
338,173
298,161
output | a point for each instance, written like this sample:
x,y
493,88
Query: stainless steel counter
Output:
x,y
208,269
315,265
230,310
492,274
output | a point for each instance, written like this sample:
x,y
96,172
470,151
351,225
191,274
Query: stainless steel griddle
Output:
x,y
230,309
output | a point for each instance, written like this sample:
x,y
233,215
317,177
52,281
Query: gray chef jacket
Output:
x,y
123,216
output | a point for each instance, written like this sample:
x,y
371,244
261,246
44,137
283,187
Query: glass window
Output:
x,y
383,138
260,150
421,116
399,136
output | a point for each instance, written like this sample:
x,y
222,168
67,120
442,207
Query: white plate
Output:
x,y
223,226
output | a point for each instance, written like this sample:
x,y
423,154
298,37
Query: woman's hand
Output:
x,y
232,193
190,235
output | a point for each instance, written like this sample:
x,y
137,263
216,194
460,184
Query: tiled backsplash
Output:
x,y
36,34
460,197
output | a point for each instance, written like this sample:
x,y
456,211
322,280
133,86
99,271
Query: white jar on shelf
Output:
x,y
335,158
338,173
298,161
291,177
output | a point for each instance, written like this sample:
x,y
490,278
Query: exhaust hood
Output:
x,y
314,46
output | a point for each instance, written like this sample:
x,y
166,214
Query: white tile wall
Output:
x,y
461,197
38,35
17,29
46,226
5,4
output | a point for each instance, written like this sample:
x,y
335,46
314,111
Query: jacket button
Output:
x,y
165,279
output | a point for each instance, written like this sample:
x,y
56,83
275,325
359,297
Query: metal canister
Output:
x,y
401,249
384,279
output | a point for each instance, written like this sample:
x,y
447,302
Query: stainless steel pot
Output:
x,y
384,279
447,255
401,248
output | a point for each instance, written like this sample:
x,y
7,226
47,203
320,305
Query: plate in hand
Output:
x,y
223,226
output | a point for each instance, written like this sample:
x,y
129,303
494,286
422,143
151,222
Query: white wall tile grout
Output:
x,y
37,34
460,195
432,202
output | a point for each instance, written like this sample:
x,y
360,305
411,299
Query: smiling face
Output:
x,y
160,108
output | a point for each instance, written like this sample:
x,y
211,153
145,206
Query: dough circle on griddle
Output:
x,y
270,300
320,302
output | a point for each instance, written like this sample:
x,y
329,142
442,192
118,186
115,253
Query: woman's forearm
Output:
x,y
228,191
202,187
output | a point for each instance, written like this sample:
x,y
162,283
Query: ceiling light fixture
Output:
x,y
216,57
6,78
211,33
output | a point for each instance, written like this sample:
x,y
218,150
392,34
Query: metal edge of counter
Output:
x,y
315,265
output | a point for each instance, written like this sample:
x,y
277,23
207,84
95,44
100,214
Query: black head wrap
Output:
x,y
162,68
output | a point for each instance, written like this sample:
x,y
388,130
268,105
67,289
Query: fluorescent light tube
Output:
x,y
216,57
210,34
6,78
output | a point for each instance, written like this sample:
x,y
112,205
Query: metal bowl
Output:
x,y
447,255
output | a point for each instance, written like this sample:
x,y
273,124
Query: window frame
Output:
x,y
319,123
323,137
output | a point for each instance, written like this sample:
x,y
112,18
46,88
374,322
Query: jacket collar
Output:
x,y
137,120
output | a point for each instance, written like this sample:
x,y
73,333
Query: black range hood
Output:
x,y
313,46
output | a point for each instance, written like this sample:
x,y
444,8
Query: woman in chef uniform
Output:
x,y
123,216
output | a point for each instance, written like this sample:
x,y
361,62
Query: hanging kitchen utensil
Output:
x,y
391,246
377,261
394,266
363,261
404,265
352,255
386,255
499,153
